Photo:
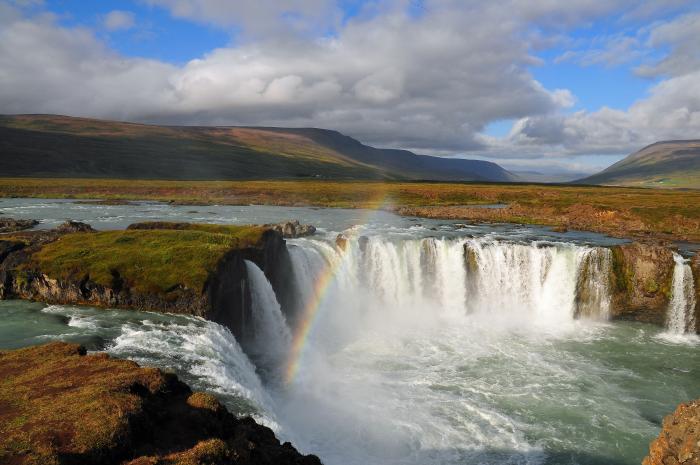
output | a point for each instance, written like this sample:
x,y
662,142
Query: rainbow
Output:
x,y
310,311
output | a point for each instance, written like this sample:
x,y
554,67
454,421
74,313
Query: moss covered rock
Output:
x,y
61,406
146,261
695,265
642,282
195,269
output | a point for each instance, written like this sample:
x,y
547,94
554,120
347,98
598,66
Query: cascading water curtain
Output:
x,y
680,318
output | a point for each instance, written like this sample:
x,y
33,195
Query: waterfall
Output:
x,y
680,318
533,281
271,338
384,315
593,293
548,284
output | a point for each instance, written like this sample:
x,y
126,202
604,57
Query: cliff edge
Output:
x,y
195,269
60,406
679,440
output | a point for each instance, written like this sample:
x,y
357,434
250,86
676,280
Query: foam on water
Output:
x,y
400,362
681,310
271,338
203,349
433,350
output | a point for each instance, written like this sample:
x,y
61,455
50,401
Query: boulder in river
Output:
x,y
341,241
71,226
293,229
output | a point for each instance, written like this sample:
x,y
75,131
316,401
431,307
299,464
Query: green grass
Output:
x,y
150,261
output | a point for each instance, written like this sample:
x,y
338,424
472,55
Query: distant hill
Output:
x,y
663,164
61,146
554,177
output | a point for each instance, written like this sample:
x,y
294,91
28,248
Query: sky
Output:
x,y
535,85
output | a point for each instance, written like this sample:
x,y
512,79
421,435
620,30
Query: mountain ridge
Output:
x,y
62,146
671,163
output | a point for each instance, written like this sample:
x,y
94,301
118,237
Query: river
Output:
x,y
408,351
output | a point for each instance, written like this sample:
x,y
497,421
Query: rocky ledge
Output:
x,y
11,225
292,229
59,406
679,440
642,282
196,269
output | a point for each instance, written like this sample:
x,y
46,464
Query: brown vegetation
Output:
x,y
622,212
60,406
679,440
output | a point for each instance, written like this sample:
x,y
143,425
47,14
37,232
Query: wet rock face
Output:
x,y
642,282
695,265
74,226
61,406
224,299
679,440
12,225
17,280
293,229
341,241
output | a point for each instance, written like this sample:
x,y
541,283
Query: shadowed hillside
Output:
x,y
663,164
59,146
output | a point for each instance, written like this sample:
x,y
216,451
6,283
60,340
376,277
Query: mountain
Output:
x,y
663,164
549,177
61,146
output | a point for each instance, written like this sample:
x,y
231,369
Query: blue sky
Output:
x,y
157,34
529,84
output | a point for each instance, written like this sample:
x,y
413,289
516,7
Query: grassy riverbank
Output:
x,y
155,260
625,212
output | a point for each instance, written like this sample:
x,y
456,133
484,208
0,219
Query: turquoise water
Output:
x,y
404,365
593,394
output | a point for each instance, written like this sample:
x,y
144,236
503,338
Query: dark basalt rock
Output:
x,y
11,225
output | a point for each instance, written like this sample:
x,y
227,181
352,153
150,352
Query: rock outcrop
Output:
x,y
679,440
11,225
155,280
642,282
71,226
695,265
61,406
292,229
341,241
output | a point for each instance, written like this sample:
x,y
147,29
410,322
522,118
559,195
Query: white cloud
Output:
x,y
671,110
256,17
616,50
430,82
682,36
117,20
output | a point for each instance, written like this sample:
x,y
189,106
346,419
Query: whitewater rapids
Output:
x,y
425,351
